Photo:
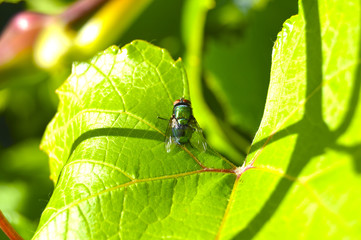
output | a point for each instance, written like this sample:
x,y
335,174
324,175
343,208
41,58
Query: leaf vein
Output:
x,y
75,203
157,71
230,202
111,83
100,163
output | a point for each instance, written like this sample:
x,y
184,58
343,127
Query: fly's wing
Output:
x,y
197,140
169,139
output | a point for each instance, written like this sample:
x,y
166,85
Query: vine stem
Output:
x,y
8,229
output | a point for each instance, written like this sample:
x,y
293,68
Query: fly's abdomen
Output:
x,y
182,133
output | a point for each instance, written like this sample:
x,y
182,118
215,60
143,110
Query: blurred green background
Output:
x,y
226,46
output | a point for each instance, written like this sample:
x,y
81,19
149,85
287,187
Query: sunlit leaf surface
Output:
x,y
113,175
115,180
306,154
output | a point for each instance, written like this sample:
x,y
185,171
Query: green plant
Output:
x,y
300,177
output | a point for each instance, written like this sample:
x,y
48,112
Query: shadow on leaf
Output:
x,y
117,132
312,128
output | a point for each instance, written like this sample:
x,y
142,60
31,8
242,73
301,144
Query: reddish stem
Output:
x,y
81,9
219,170
8,229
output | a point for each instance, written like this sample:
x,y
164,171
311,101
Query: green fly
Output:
x,y
183,127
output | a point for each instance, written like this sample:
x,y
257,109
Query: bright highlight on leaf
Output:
x,y
114,179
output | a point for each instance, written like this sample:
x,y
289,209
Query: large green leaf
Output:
x,y
114,179
113,175
304,178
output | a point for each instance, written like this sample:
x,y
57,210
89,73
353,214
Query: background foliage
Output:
x,y
308,126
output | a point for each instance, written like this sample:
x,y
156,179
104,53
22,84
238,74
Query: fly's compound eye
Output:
x,y
176,102
186,101
181,101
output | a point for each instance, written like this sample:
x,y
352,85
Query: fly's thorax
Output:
x,y
182,112
183,121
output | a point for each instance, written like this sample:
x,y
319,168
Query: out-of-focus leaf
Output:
x,y
4,96
59,42
24,179
27,110
159,24
246,5
48,6
10,1
12,196
35,42
107,24
238,72
194,15
24,186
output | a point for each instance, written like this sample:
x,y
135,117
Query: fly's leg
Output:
x,y
162,118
